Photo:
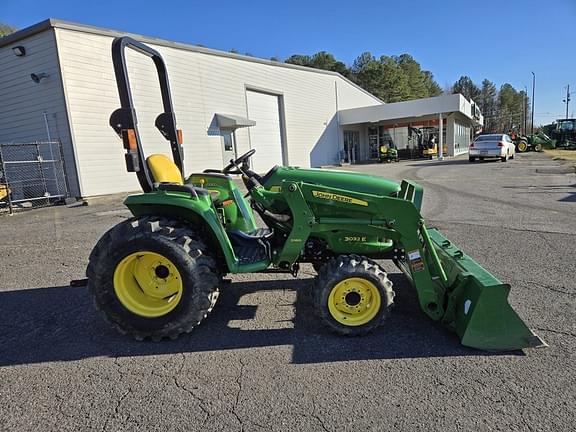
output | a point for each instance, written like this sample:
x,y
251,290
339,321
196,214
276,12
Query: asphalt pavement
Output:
x,y
262,362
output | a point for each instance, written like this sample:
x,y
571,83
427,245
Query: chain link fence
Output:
x,y
31,175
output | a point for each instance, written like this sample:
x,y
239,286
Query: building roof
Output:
x,y
444,104
56,23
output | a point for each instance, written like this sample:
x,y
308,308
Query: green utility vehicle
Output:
x,y
388,153
158,274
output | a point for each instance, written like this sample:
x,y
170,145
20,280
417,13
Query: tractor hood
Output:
x,y
347,180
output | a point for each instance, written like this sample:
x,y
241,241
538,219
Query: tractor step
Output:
x,y
251,248
251,254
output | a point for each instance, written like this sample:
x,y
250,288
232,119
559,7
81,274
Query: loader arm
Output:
x,y
451,287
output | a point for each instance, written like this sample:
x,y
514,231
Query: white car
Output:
x,y
492,146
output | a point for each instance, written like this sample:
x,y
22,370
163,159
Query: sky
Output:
x,y
503,41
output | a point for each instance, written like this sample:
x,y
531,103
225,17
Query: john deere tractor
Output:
x,y
535,142
158,274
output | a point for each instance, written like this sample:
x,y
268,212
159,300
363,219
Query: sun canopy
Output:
x,y
228,121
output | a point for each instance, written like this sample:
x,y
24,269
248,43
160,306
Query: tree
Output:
x,y
367,73
6,29
432,87
370,74
510,104
394,82
415,77
466,87
320,60
488,104
300,60
390,78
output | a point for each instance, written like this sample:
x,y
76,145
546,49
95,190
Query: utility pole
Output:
x,y
567,100
524,108
533,86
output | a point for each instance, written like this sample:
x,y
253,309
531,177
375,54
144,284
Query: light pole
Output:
x,y
533,86
525,105
567,100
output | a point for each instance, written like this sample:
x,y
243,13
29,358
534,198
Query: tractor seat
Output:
x,y
163,169
167,176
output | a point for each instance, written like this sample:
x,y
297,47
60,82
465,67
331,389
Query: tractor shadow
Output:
x,y
61,324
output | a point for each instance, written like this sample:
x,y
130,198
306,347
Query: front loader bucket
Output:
x,y
478,308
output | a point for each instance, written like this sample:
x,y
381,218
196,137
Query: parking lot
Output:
x,y
262,362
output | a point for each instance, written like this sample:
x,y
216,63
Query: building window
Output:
x,y
228,140
351,146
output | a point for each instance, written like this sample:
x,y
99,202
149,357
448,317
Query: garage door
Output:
x,y
266,136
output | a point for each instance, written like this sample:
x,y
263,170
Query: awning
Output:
x,y
232,122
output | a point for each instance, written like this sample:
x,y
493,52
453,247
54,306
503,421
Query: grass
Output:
x,y
561,154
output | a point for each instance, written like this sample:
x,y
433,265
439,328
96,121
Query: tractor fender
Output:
x,y
198,211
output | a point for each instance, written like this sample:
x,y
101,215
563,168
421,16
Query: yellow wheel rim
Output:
x,y
522,146
148,284
354,301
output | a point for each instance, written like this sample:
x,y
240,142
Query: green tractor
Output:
x,y
158,274
388,153
536,142
563,132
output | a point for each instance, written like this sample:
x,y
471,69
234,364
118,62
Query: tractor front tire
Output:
x,y
152,277
352,295
522,146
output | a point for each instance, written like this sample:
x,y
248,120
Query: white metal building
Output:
x,y
300,116
294,107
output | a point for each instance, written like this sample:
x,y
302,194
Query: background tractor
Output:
x,y
559,134
387,153
158,274
563,132
536,142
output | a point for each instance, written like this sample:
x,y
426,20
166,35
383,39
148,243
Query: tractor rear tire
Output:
x,y
152,277
352,295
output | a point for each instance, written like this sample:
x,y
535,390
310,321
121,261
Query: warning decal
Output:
x,y
415,260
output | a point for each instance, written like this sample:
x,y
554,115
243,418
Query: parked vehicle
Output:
x,y
492,146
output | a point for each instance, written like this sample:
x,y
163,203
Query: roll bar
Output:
x,y
124,121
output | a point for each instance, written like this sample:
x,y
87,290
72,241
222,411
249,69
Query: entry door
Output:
x,y
228,147
266,136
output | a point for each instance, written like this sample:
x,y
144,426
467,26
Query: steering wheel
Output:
x,y
242,160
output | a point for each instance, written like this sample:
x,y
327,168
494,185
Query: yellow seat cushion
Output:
x,y
163,169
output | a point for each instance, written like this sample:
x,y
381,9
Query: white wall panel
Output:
x,y
202,85
23,102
